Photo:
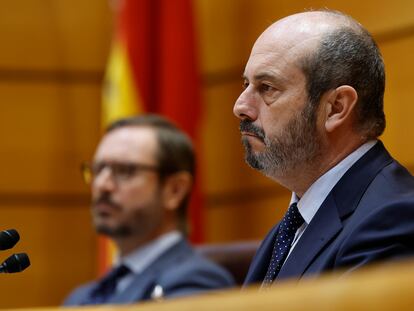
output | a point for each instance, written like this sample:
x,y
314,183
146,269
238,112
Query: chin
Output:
x,y
112,231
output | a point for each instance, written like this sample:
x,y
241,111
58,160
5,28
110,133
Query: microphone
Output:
x,y
8,238
15,263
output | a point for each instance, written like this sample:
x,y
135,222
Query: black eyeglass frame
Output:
x,y
120,171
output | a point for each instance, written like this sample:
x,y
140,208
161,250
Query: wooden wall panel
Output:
x,y
221,26
51,67
399,95
59,241
47,130
246,218
54,34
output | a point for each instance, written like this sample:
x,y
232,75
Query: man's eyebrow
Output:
x,y
264,76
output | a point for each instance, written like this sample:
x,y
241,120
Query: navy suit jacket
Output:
x,y
179,271
367,217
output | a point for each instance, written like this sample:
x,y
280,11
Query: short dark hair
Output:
x,y
348,55
175,150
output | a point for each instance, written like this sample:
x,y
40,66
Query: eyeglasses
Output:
x,y
120,171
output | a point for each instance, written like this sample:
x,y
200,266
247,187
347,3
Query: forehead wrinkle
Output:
x,y
272,66
269,57
288,49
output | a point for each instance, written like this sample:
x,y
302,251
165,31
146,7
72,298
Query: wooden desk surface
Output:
x,y
379,288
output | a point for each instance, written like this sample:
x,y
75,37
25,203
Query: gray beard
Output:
x,y
119,232
297,145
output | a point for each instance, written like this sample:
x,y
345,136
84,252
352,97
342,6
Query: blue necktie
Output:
x,y
106,287
284,238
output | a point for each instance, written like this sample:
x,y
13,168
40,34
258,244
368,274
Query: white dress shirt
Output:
x,y
313,198
143,257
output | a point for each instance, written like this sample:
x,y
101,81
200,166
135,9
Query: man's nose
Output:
x,y
104,181
245,106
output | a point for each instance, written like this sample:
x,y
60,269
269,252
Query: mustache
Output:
x,y
105,198
248,126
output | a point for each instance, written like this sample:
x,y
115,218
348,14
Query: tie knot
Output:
x,y
117,273
107,286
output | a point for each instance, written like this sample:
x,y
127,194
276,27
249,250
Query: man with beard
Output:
x,y
311,113
141,178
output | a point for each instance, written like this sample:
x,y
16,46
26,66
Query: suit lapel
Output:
x,y
325,225
258,267
143,283
349,190
340,203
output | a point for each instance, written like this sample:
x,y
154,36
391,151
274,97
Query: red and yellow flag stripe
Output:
x,y
153,67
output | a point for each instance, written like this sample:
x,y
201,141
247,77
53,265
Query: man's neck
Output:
x,y
127,245
303,176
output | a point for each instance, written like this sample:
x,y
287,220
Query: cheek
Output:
x,y
95,193
273,120
275,117
138,194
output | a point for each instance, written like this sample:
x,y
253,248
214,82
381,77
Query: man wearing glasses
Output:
x,y
141,179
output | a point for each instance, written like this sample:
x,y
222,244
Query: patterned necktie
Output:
x,y
284,238
106,287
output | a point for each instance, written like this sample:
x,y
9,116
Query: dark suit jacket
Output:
x,y
367,217
179,271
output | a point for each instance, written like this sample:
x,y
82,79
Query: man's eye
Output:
x,y
245,84
97,168
265,88
124,170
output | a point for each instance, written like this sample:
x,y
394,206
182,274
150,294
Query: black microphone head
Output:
x,y
8,238
15,263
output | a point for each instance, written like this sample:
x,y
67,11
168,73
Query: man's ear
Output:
x,y
176,188
339,107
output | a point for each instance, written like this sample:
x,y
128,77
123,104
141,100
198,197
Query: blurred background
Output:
x,y
53,57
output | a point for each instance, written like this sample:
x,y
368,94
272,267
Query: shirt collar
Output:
x,y
141,258
313,198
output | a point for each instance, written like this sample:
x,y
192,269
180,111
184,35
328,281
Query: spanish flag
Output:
x,y
153,67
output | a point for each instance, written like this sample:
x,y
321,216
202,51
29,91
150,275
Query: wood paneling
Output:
x,y
46,131
54,34
51,66
399,109
60,244
221,26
